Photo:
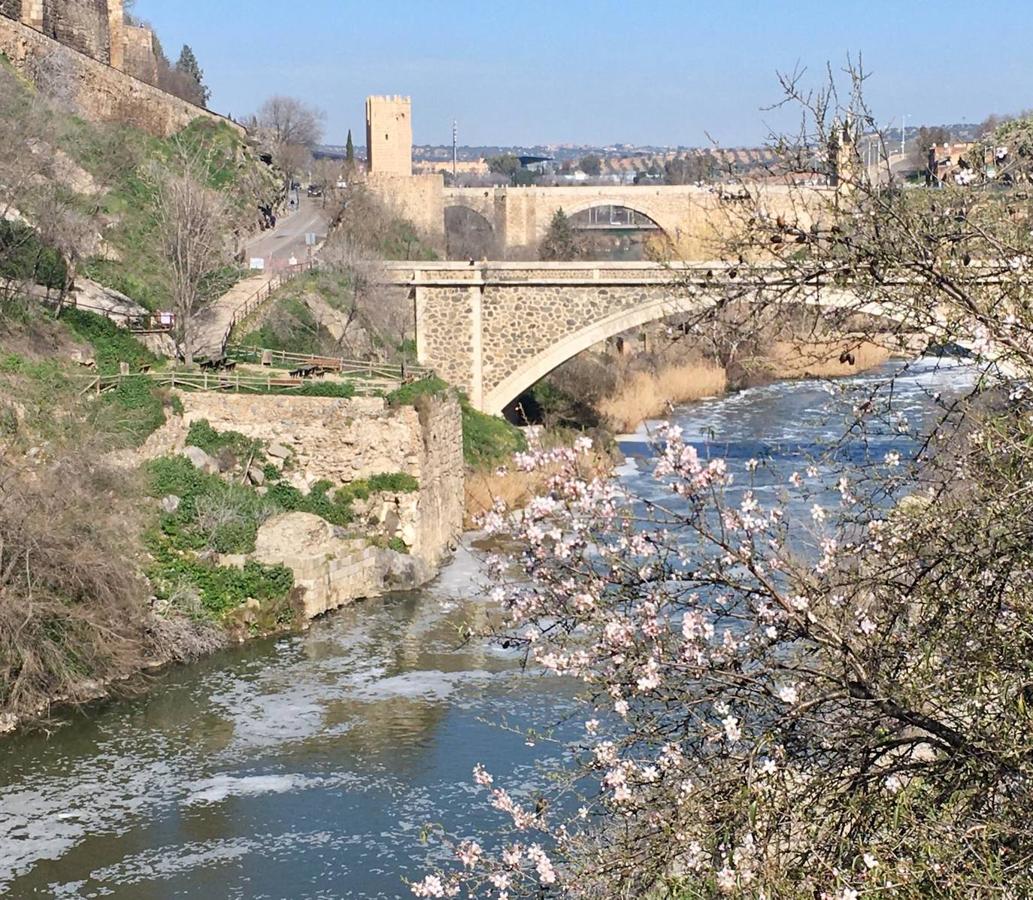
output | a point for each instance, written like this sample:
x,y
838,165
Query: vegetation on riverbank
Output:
x,y
619,391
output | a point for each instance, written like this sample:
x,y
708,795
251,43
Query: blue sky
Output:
x,y
600,71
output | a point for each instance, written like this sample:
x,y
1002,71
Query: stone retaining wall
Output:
x,y
347,440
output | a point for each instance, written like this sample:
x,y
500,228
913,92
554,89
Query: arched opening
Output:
x,y
614,233
468,234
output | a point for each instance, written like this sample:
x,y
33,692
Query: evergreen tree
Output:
x,y
349,151
561,241
188,66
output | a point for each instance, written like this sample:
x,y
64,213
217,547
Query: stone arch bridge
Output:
x,y
694,219
494,329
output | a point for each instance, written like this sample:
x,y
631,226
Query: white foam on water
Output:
x,y
219,787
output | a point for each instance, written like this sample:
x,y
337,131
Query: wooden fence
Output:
x,y
263,293
233,382
361,368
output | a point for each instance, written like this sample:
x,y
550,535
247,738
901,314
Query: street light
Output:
x,y
903,132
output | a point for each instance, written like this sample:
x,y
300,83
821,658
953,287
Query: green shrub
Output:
x,y
342,389
111,345
132,411
408,394
24,257
204,436
221,588
213,513
489,440
394,482
336,510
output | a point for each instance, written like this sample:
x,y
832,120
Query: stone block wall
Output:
x,y
140,60
418,198
82,25
389,135
101,92
348,440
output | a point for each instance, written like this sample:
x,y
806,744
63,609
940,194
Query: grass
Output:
x,y
222,589
647,395
213,442
111,345
119,156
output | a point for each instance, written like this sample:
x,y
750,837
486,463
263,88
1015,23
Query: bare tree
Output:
x,y
288,120
63,226
192,224
292,160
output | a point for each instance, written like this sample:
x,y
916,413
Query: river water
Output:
x,y
307,766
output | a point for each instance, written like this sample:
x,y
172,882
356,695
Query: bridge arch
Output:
x,y
531,371
469,233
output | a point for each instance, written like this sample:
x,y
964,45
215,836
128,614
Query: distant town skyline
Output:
x,y
591,72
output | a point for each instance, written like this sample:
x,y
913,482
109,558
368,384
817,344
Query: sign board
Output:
x,y
310,239
258,263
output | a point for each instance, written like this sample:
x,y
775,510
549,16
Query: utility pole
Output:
x,y
455,149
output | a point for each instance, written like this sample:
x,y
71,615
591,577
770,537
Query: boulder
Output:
x,y
106,301
402,572
201,460
278,451
170,503
256,476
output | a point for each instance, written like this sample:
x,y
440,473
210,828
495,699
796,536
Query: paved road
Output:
x,y
287,239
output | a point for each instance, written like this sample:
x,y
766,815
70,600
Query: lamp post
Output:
x,y
903,133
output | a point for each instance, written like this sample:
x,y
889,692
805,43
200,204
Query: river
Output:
x,y
306,766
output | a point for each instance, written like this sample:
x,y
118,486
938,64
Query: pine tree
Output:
x,y
349,151
188,66
561,241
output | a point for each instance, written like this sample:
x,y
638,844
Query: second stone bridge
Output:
x,y
494,329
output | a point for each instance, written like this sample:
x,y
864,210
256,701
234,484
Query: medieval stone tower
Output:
x,y
389,135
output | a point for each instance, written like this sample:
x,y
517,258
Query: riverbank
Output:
x,y
618,393
317,758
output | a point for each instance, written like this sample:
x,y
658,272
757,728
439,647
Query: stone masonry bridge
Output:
x,y
494,329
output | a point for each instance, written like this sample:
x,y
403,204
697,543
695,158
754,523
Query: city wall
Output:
x,y
99,91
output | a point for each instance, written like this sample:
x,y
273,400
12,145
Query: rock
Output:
x,y
256,476
170,503
226,460
107,301
233,560
278,451
201,460
402,572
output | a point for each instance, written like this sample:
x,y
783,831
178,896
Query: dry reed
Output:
x,y
647,395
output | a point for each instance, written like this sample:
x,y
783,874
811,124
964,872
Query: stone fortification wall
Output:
x,y
347,440
140,59
82,25
101,92
418,198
